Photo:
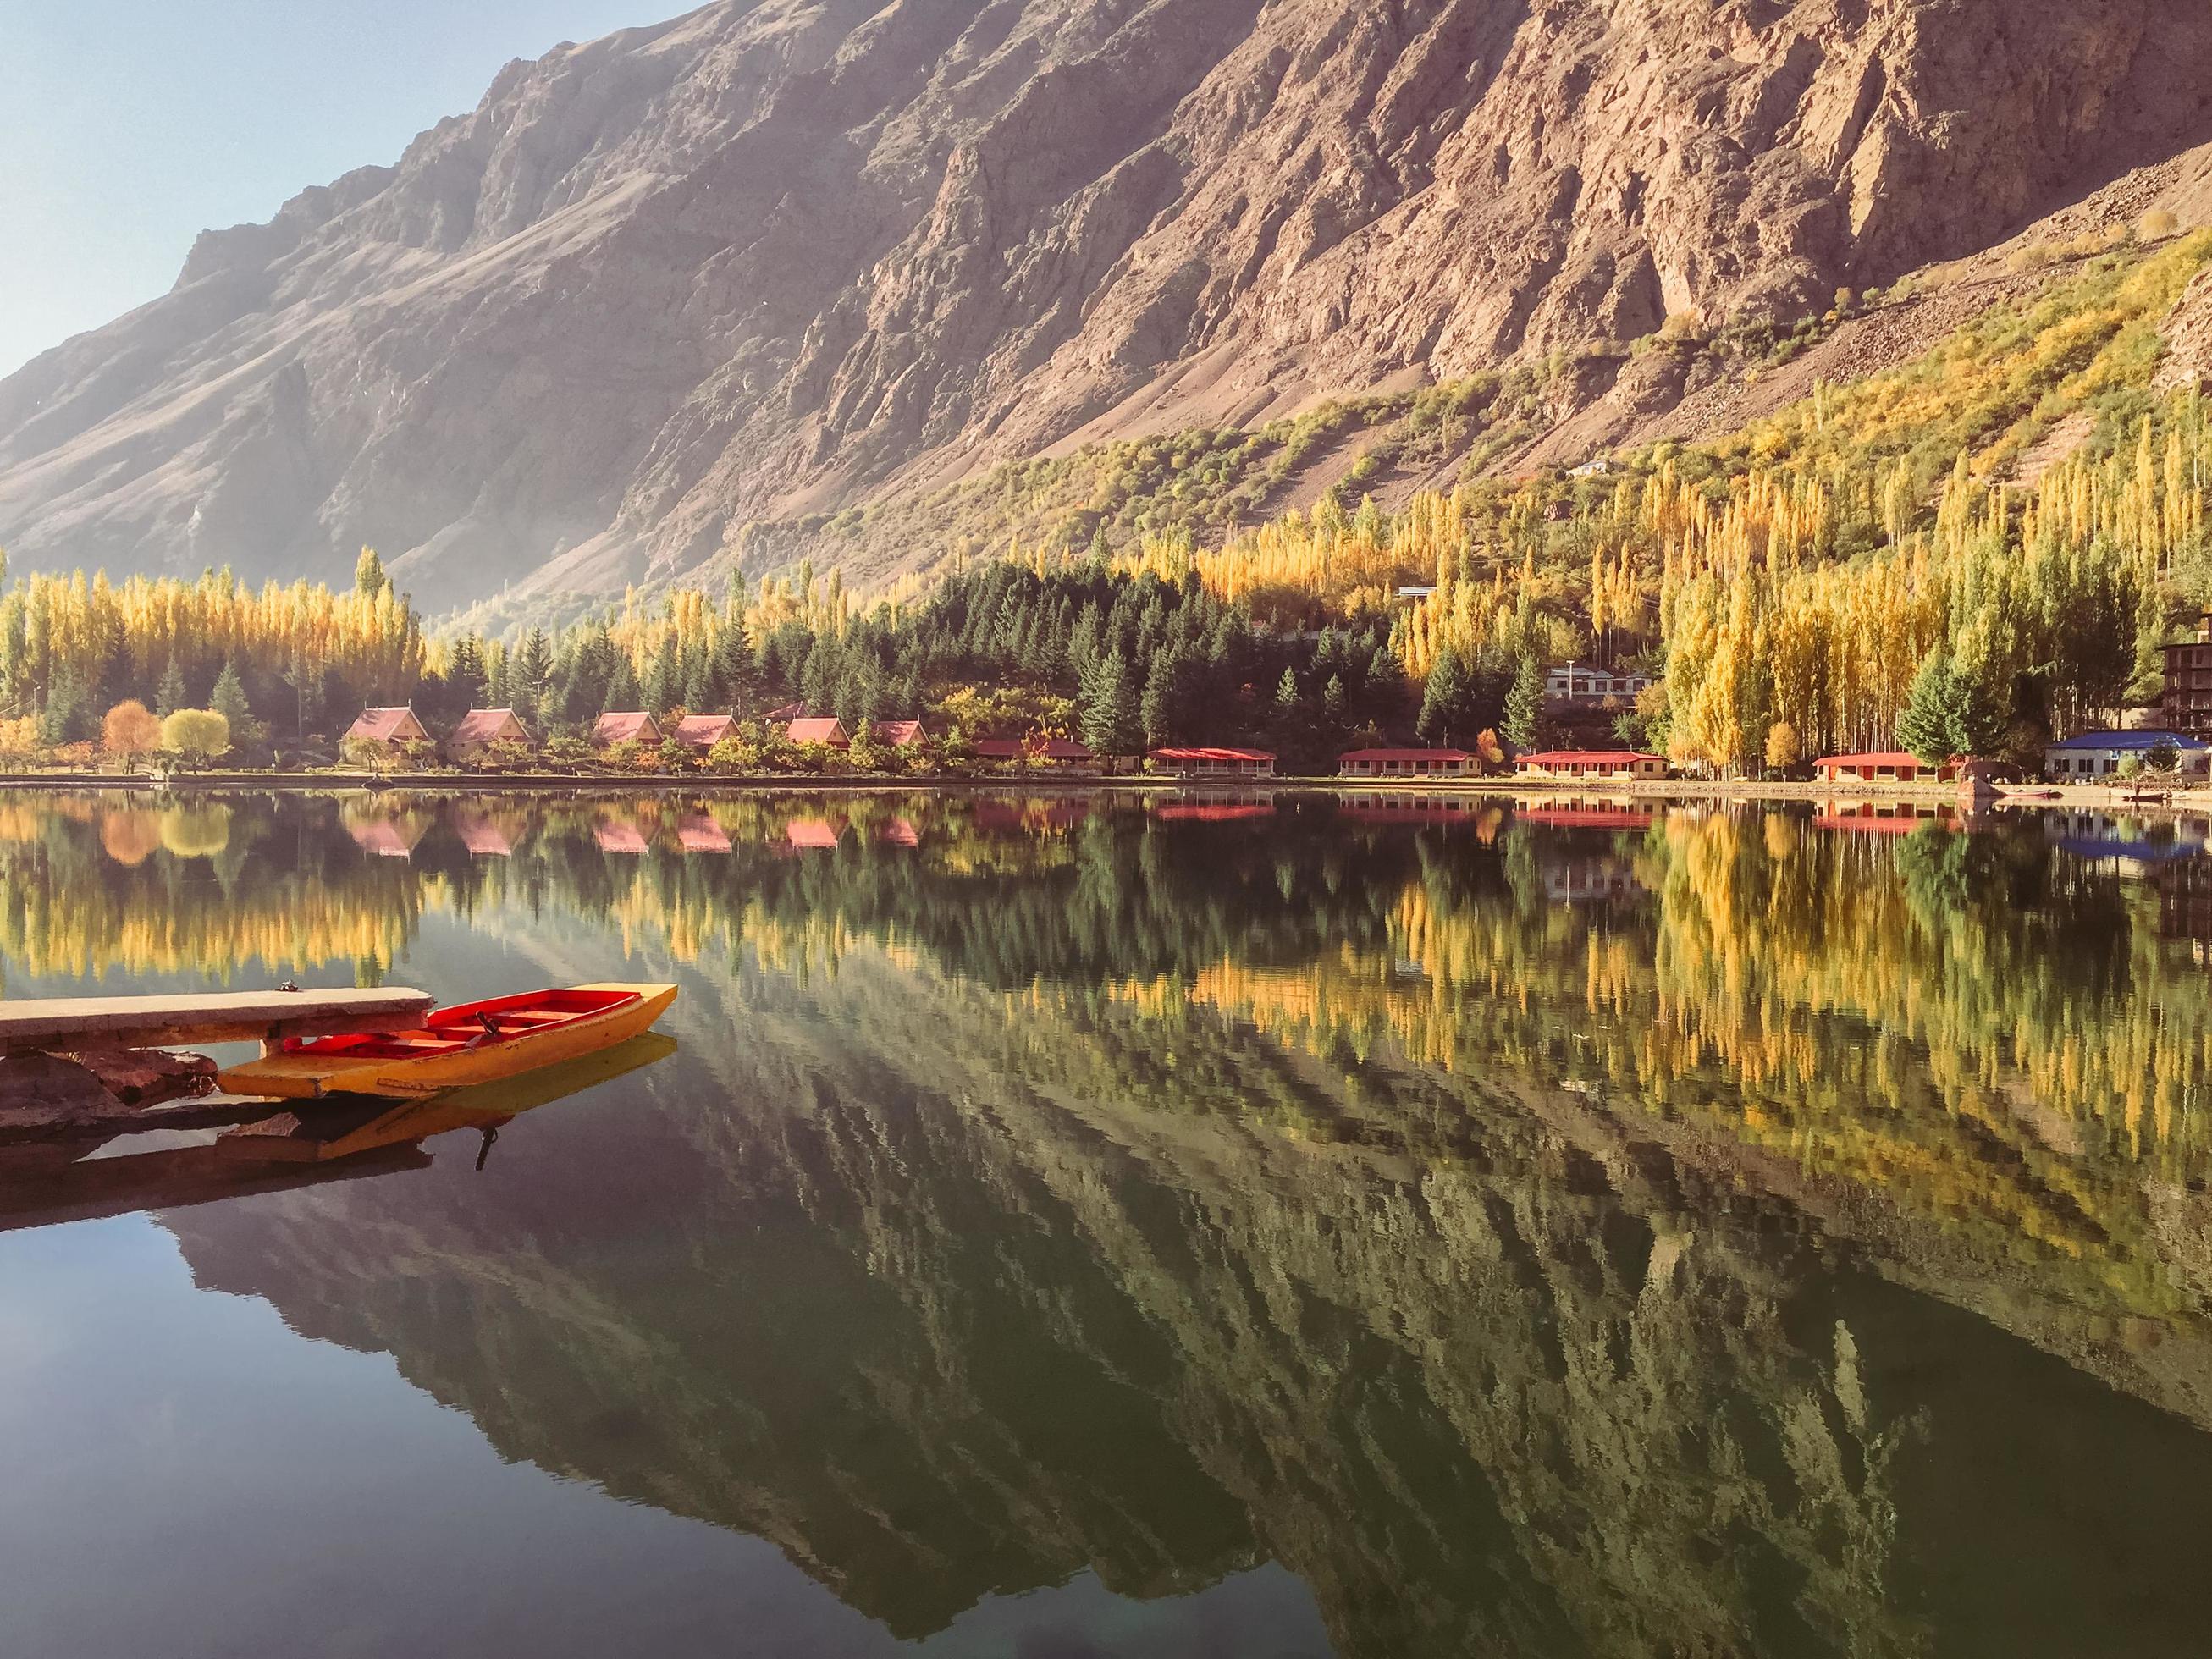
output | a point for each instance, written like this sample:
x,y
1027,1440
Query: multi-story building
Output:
x,y
1575,682
2187,704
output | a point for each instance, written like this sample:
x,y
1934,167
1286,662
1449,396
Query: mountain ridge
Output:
x,y
771,260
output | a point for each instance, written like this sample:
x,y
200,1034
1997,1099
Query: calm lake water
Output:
x,y
1184,1228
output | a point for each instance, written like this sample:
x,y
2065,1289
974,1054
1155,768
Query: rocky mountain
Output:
x,y
779,258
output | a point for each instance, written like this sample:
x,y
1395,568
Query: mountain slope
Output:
x,y
777,259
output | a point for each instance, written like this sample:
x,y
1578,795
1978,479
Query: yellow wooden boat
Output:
x,y
458,1048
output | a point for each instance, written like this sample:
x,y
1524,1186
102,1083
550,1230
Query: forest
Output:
x,y
1967,554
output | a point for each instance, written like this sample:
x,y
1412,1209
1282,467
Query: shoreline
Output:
x,y
2045,797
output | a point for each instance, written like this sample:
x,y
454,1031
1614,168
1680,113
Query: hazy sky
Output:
x,y
128,126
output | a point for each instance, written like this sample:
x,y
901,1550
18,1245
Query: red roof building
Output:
x,y
1592,763
1059,751
828,733
703,731
1407,762
387,726
899,734
1215,762
1887,767
480,729
636,726
1001,749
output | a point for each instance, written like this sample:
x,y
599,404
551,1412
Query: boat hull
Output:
x,y
307,1075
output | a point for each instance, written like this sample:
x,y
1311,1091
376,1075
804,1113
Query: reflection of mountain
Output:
x,y
896,1281
1038,1189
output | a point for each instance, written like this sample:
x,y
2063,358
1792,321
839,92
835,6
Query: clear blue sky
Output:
x,y
128,126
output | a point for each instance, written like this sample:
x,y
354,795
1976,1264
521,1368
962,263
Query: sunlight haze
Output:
x,y
129,127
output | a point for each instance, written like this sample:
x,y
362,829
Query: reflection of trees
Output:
x,y
967,1244
205,888
1993,1045
914,1308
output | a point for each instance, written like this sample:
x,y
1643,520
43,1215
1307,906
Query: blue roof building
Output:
x,y
2091,754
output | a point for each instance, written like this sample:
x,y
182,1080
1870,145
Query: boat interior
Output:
x,y
469,1025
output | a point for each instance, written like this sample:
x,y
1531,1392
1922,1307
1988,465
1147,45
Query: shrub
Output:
x,y
2157,225
196,736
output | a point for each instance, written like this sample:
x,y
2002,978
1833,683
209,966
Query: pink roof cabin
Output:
x,y
480,729
1000,749
636,726
1407,762
1059,751
1592,763
387,726
703,731
900,734
828,731
1215,762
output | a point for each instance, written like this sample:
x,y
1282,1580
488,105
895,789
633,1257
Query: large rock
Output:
x,y
774,257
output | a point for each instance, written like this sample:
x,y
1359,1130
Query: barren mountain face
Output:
x,y
780,256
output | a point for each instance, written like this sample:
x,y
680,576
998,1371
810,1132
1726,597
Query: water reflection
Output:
x,y
1553,1228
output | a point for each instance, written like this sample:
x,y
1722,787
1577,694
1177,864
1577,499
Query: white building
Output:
x,y
2089,756
1574,682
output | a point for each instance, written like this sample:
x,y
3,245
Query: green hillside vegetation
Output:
x,y
1864,567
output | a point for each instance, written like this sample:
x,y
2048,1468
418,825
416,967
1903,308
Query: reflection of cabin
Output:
x,y
2184,901
388,838
635,727
1585,817
1587,880
1591,764
2100,754
898,832
1889,766
811,834
1212,812
387,726
703,731
1393,808
1215,762
1575,682
1407,762
480,729
828,733
481,834
1881,818
701,834
615,835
